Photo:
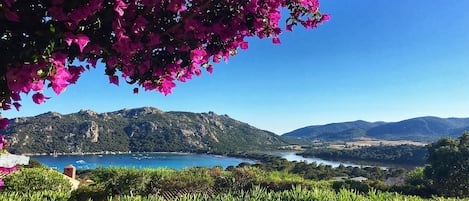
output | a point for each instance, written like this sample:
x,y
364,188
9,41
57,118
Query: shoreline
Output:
x,y
99,153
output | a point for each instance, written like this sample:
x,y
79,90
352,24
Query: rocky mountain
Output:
x,y
421,129
137,130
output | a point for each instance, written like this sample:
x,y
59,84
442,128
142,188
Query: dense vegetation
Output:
x,y
401,154
36,179
272,178
136,130
297,194
449,159
234,183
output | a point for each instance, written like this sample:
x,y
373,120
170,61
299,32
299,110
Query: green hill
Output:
x,y
421,129
138,130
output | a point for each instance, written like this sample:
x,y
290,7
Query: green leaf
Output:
x,y
51,28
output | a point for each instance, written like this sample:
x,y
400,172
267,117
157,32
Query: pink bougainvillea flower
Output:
x,y
2,140
139,24
11,16
154,39
253,6
69,38
135,90
75,72
59,79
153,42
191,25
80,39
244,45
197,72
8,2
197,56
15,96
166,86
7,170
325,17
6,106
276,40
112,62
38,85
39,98
216,59
57,13
17,106
177,6
120,7
114,80
210,69
59,57
4,123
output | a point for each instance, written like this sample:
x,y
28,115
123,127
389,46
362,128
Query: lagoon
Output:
x,y
142,160
169,160
291,156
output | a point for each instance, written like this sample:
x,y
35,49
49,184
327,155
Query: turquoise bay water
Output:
x,y
147,160
169,160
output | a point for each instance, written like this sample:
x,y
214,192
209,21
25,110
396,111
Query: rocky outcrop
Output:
x,y
140,129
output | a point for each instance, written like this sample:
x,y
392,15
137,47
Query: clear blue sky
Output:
x,y
374,61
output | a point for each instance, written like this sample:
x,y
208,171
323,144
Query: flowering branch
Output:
x,y
150,43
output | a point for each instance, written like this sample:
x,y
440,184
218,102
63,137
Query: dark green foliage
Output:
x,y
316,171
36,179
87,192
137,130
161,181
120,181
401,154
195,179
449,162
297,193
415,184
350,184
36,196
125,181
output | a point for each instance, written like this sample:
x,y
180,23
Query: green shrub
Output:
x,y
195,179
351,185
36,179
121,181
87,192
35,196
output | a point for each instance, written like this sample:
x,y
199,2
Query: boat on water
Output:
x,y
80,161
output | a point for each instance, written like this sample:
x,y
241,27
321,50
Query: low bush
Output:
x,y
36,180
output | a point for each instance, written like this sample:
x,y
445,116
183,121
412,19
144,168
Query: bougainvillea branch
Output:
x,y
149,43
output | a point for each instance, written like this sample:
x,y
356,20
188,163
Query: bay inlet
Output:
x,y
163,160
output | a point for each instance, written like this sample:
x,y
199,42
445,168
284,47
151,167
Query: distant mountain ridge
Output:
x,y
138,130
421,129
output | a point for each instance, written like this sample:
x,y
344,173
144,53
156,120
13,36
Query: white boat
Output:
x,y
80,161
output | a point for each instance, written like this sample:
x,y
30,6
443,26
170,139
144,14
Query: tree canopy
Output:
x,y
149,43
449,162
